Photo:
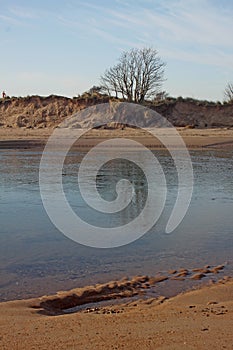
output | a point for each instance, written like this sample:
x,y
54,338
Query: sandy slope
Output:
x,y
199,319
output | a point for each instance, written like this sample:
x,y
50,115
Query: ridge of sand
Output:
x,y
49,111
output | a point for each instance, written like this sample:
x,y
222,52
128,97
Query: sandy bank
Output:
x,y
197,319
194,138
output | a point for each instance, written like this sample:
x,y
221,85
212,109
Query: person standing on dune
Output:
x,y
3,94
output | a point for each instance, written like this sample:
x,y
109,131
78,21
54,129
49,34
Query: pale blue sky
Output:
x,y
62,47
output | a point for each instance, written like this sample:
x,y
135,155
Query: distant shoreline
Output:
x,y
220,138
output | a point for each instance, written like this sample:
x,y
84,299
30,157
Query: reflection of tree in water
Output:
x,y
114,171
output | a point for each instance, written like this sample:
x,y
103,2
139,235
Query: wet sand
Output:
x,y
196,319
194,138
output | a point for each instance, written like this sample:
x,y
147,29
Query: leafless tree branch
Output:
x,y
228,92
137,76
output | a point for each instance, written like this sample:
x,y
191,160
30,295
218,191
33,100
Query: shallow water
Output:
x,y
36,259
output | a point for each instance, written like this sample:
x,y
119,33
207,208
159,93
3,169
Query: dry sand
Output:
x,y
198,319
194,138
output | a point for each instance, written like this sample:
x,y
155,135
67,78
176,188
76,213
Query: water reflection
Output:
x,y
107,178
36,259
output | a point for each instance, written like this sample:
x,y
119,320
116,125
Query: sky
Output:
x,y
63,47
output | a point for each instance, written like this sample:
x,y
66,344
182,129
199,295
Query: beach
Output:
x,y
125,314
197,319
193,138
116,175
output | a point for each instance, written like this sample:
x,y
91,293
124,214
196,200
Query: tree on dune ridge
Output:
x,y
137,76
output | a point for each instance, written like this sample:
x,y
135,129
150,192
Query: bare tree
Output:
x,y
228,92
137,76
